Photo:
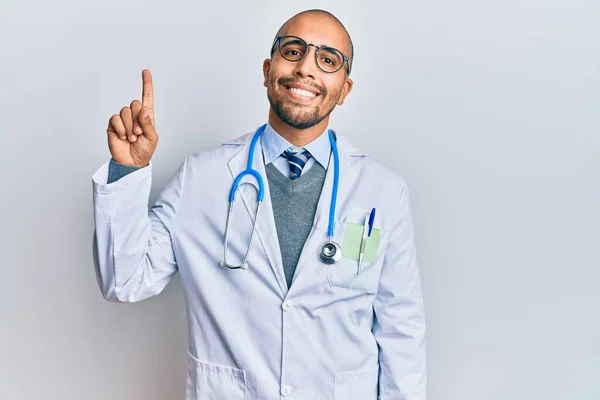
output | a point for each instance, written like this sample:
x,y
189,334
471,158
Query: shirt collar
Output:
x,y
273,144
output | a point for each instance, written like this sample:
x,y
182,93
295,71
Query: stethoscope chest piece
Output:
x,y
330,252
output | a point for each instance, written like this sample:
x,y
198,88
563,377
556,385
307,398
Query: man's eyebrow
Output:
x,y
294,41
301,41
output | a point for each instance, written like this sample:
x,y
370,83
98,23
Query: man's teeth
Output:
x,y
302,92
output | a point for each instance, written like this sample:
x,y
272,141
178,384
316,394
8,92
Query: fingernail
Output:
x,y
137,130
132,138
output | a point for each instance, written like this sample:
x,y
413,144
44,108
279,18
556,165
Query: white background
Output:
x,y
489,109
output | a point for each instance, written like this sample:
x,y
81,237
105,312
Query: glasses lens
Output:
x,y
292,48
330,60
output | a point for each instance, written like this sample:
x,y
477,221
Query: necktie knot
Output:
x,y
297,160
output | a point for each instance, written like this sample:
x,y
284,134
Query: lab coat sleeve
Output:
x,y
399,323
133,254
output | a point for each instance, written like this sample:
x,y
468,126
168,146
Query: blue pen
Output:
x,y
371,220
363,242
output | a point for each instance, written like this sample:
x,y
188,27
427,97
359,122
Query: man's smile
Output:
x,y
300,92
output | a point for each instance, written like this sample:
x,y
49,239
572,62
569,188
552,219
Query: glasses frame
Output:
x,y
277,43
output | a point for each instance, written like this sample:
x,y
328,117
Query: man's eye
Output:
x,y
293,52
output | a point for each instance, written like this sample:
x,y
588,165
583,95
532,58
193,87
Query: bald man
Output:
x,y
307,286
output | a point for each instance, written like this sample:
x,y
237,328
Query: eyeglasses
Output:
x,y
293,48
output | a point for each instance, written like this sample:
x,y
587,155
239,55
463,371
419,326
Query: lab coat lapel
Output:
x,y
266,231
348,174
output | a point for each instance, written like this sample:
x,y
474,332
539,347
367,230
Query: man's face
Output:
x,y
300,93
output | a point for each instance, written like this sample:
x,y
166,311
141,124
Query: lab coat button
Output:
x,y
286,306
286,390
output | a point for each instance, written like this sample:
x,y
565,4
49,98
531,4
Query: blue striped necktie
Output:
x,y
297,161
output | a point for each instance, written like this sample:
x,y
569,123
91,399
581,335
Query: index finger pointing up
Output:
x,y
147,89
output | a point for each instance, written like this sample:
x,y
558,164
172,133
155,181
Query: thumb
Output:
x,y
147,123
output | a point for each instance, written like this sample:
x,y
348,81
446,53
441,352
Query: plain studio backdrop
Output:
x,y
489,109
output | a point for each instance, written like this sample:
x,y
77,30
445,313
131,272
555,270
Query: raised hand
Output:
x,y
132,137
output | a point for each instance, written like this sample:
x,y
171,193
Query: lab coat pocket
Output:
x,y
361,384
345,274
207,381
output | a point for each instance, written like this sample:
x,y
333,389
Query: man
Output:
x,y
288,326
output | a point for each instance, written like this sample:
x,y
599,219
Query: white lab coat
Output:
x,y
333,335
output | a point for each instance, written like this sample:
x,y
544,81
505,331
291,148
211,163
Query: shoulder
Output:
x,y
220,154
371,167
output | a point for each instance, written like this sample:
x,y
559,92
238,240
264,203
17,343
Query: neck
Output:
x,y
297,137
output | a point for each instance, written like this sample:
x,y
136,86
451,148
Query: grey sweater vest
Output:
x,y
294,207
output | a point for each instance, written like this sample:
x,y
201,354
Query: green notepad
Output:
x,y
352,239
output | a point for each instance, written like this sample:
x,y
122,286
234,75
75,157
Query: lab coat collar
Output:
x,y
345,148
274,144
265,226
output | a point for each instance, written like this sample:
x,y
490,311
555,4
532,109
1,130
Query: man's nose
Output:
x,y
307,66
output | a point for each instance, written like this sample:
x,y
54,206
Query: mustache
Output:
x,y
286,81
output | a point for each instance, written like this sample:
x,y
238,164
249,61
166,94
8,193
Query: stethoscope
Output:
x,y
330,252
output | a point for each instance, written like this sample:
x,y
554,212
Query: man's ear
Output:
x,y
346,89
266,69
